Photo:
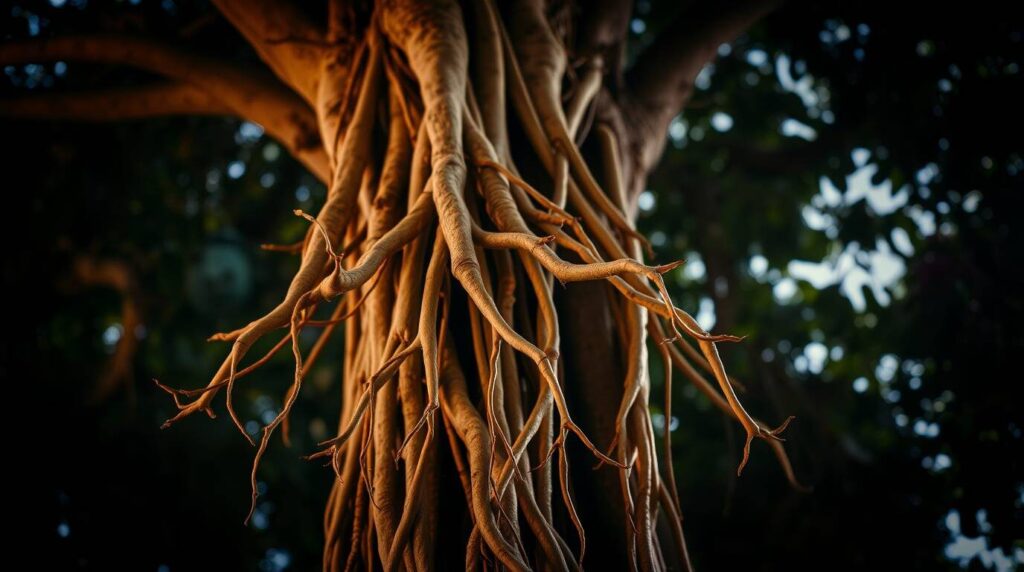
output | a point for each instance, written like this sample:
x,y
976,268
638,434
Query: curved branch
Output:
x,y
661,80
283,37
604,26
118,275
116,104
255,96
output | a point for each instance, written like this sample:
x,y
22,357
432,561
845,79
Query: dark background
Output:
x,y
845,185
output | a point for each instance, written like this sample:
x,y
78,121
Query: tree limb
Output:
x,y
118,275
249,94
283,37
603,28
662,78
116,104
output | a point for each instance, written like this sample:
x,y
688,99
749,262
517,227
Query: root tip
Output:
x,y
774,433
665,268
746,454
252,509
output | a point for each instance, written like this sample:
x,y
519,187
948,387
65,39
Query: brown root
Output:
x,y
446,282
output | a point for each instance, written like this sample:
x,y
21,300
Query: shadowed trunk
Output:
x,y
593,362
468,367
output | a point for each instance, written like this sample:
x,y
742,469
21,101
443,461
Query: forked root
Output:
x,y
446,289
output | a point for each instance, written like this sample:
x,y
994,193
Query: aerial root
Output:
x,y
398,305
382,376
184,409
765,433
426,420
553,208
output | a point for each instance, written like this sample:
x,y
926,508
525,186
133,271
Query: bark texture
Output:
x,y
486,273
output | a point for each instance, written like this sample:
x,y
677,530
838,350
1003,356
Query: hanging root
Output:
x,y
441,260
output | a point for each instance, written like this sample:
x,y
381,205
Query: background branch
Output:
x,y
118,275
283,37
255,96
661,80
117,104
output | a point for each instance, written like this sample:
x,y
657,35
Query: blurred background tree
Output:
x,y
845,186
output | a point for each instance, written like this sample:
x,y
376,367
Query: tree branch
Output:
x,y
283,37
119,49
118,275
116,104
662,79
603,28
257,97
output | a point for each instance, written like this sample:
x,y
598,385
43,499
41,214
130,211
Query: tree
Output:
x,y
458,145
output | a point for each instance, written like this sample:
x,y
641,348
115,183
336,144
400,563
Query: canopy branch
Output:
x,y
661,81
255,96
283,37
164,98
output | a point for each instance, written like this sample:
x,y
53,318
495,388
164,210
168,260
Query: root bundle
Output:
x,y
459,201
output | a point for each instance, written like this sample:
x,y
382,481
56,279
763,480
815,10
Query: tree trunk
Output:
x,y
593,361
459,200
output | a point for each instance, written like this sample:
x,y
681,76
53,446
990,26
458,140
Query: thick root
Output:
x,y
444,284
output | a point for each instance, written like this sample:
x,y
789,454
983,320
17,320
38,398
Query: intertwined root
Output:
x,y
444,210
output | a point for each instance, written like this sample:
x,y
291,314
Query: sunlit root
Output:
x,y
441,262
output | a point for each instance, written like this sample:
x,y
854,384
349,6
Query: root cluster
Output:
x,y
441,261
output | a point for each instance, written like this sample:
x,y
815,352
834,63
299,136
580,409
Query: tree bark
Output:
x,y
545,382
